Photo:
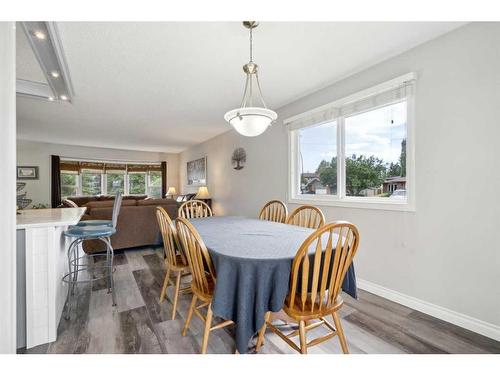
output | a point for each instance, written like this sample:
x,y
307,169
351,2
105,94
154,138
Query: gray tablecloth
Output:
x,y
252,259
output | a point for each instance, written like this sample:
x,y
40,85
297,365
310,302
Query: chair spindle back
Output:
x,y
307,216
198,257
274,210
171,243
320,265
194,209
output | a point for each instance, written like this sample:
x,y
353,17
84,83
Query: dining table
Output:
x,y
252,260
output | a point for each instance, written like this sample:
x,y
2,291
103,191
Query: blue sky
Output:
x,y
377,132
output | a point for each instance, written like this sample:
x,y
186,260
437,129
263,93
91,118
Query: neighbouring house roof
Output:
x,y
394,179
313,181
309,175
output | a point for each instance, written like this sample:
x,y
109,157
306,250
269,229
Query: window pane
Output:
x,y
69,185
155,184
137,183
115,183
318,159
91,183
375,148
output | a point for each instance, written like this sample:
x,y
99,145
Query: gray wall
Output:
x,y
447,252
38,154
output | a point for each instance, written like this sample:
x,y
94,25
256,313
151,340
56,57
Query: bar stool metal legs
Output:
x,y
86,263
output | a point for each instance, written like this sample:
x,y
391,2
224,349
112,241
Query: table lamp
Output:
x,y
202,193
171,191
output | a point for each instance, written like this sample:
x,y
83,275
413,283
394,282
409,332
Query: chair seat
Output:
x,y
89,231
296,311
181,264
205,297
95,223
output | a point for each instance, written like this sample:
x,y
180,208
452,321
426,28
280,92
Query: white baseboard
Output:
x,y
459,319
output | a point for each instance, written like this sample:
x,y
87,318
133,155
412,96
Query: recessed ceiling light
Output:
x,y
54,74
40,35
51,98
63,97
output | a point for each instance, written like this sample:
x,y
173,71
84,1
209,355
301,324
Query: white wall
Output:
x,y
38,154
7,189
446,253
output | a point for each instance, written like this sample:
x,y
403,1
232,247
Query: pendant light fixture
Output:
x,y
251,119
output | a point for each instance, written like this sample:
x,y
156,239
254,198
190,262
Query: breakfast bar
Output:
x,y
41,263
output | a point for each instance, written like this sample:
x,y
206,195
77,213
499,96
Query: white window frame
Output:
x,y
341,199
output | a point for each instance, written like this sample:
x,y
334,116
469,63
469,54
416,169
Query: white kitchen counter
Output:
x,y
49,217
42,262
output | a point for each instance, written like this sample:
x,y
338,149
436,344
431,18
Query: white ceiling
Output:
x,y
27,66
166,86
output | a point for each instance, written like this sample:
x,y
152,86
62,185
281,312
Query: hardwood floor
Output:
x,y
138,324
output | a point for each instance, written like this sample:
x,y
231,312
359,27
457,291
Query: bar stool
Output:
x,y
100,230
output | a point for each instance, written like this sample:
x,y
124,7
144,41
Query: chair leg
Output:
x,y
303,338
176,295
108,264
165,285
190,315
76,265
208,323
70,281
340,333
110,269
260,339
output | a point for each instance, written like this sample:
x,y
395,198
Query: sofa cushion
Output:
x,y
107,203
156,202
83,200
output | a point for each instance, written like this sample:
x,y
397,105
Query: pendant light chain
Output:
x,y
251,44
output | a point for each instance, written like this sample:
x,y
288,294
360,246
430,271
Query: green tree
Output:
x,y
137,183
394,170
327,172
402,158
91,183
363,172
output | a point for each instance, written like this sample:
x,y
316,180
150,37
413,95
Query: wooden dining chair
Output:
x,y
307,216
194,209
203,283
175,261
274,210
316,278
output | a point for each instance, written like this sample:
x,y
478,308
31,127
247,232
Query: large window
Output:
x,y
91,182
318,159
69,184
353,152
87,178
115,182
137,183
155,180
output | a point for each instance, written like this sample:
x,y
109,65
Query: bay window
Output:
x,y
88,178
356,151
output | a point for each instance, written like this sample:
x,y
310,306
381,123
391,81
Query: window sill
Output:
x,y
370,203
